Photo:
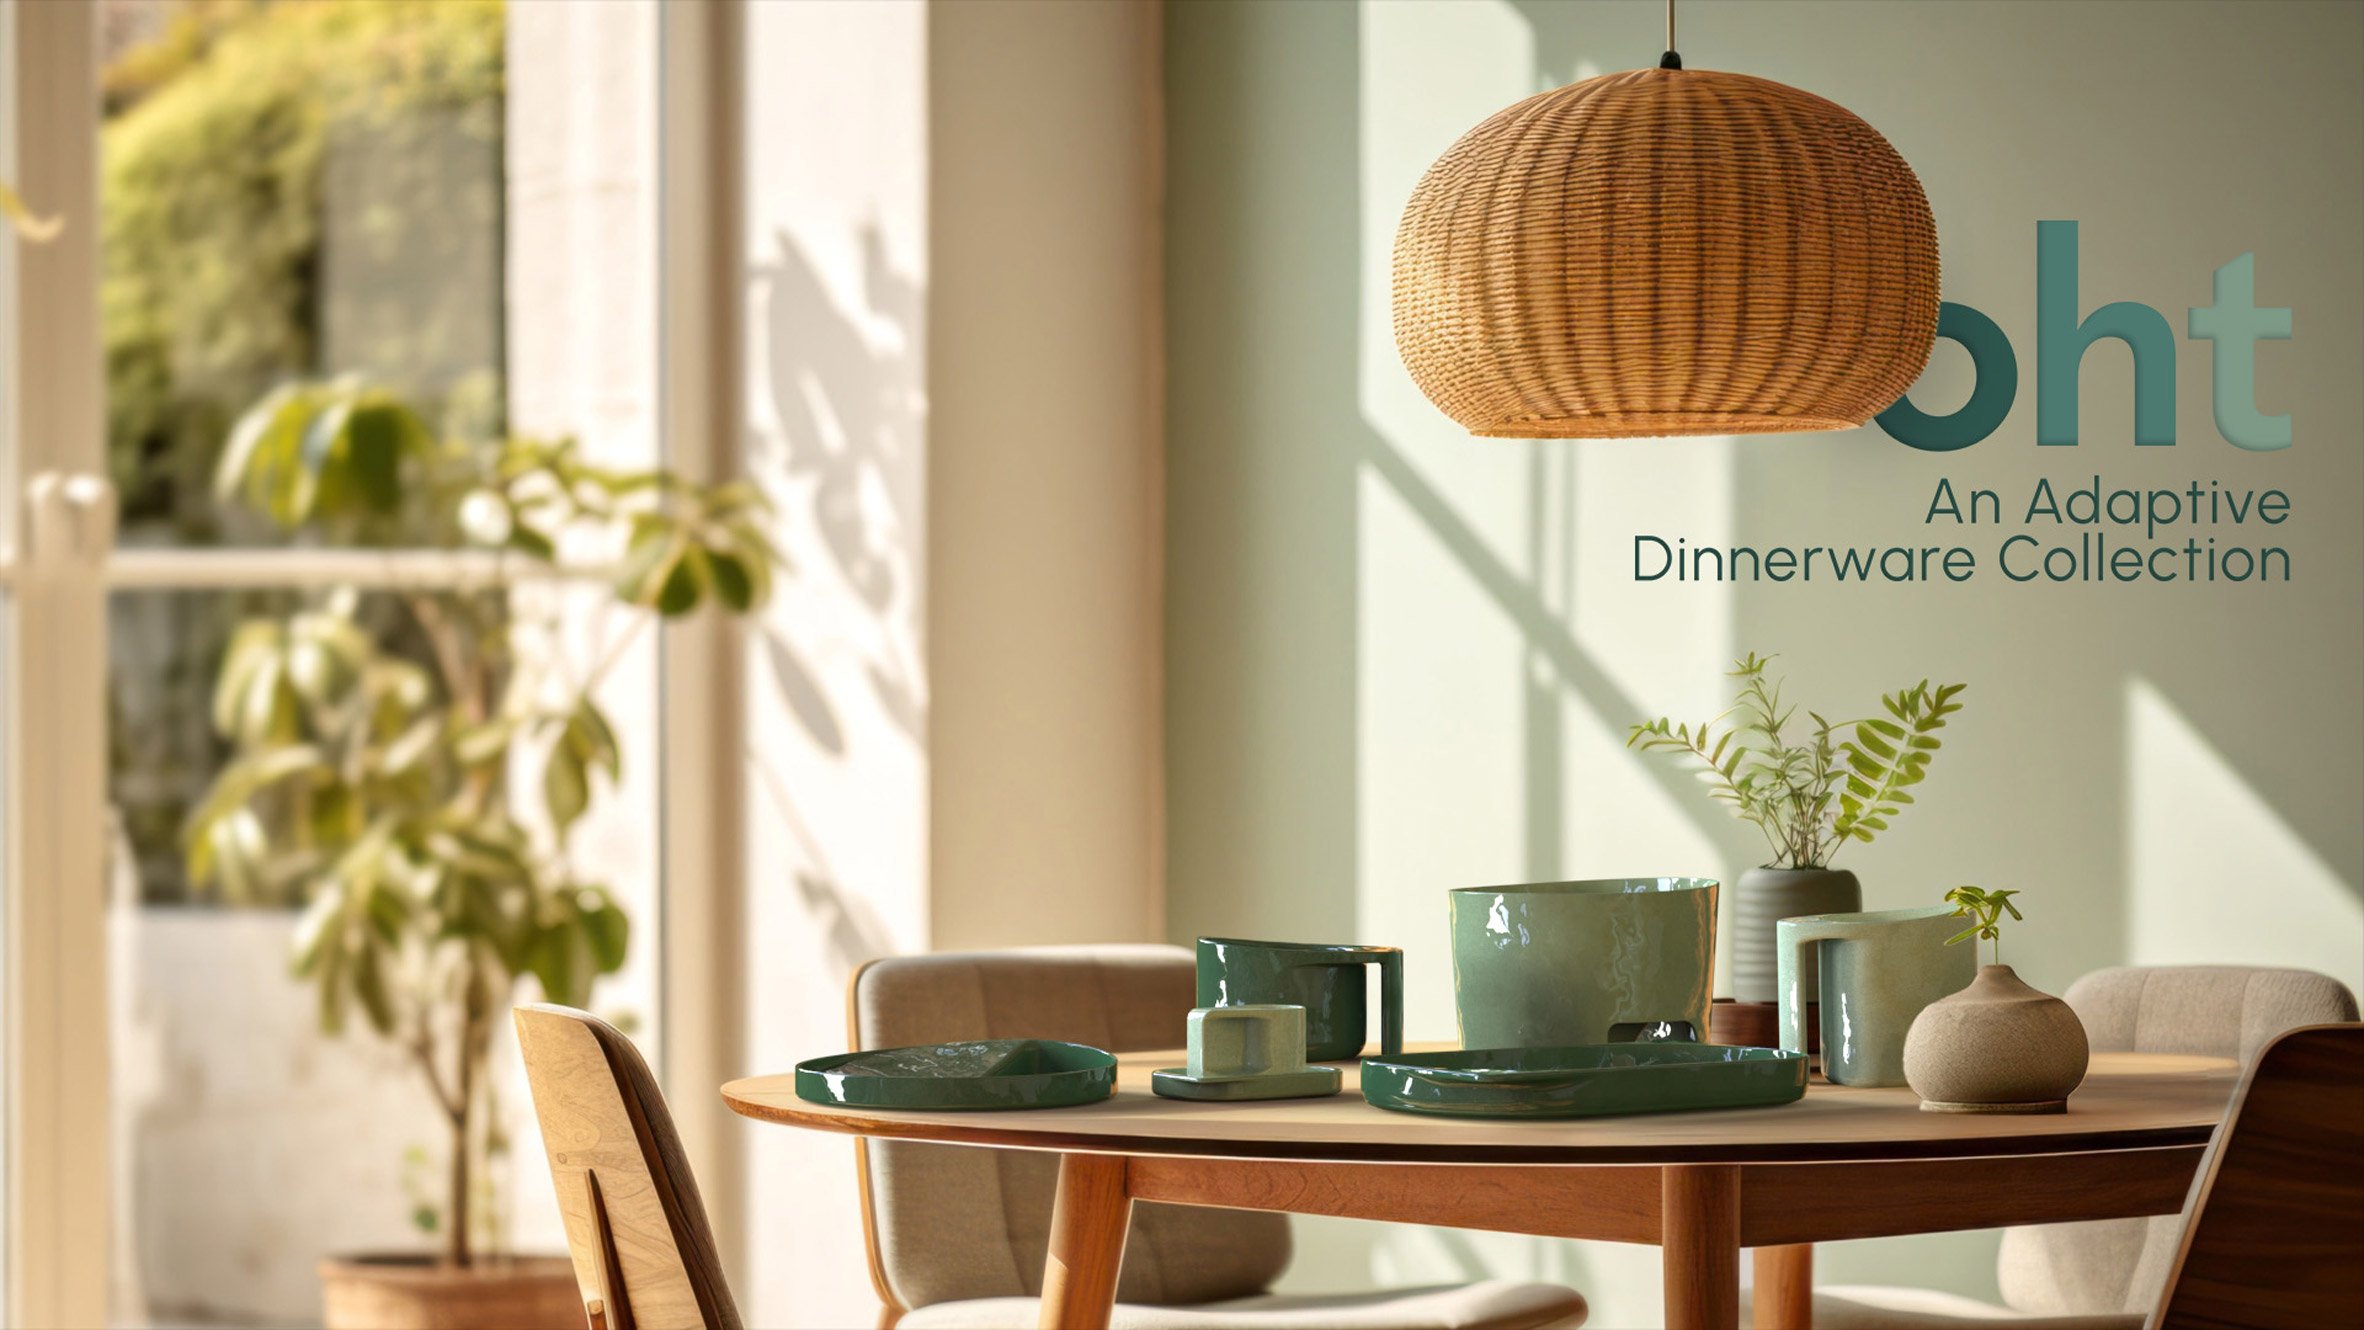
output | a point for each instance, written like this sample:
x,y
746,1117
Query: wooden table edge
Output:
x,y
889,1125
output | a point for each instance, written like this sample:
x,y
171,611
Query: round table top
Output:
x,y
2128,1101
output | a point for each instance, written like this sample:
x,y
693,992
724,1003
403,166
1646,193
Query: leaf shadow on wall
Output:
x,y
841,456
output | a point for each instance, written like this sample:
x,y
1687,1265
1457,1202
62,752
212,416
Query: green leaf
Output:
x,y
649,560
316,929
378,435
530,541
369,984
565,787
683,584
561,960
478,744
593,740
733,585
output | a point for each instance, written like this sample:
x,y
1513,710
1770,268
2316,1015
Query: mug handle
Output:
x,y
1391,1002
1390,961
1794,939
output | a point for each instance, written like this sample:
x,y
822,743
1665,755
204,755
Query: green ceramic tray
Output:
x,y
989,1073
1584,1081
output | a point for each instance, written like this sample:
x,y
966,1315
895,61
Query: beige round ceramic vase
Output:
x,y
1997,1046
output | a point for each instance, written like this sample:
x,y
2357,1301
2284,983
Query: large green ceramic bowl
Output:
x,y
1553,964
1588,1081
986,1073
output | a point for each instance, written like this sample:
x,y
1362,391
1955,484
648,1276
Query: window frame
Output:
x,y
58,565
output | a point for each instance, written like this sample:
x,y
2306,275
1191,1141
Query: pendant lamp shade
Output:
x,y
1666,251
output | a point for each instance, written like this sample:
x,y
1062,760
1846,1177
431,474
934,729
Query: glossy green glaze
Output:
x,y
1303,1083
1255,1051
1586,1081
987,1073
1878,969
1554,964
1325,979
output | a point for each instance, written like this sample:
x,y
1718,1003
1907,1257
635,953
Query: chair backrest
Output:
x,y
948,1223
2116,1266
2276,1238
644,1257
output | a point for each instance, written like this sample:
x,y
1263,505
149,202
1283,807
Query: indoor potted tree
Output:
x,y
1809,794
409,773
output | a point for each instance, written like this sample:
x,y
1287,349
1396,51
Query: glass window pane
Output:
x,y
324,188
296,190
249,1141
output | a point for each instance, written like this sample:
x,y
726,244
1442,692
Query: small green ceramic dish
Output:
x,y
985,1074
1303,1083
1584,1081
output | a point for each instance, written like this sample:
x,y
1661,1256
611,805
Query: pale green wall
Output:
x,y
1399,659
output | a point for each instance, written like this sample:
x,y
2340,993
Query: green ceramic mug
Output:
x,y
1879,968
1325,979
1606,961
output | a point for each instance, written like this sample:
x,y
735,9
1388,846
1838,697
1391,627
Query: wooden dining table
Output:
x,y
1841,1163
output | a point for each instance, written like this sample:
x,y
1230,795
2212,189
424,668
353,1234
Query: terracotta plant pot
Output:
x,y
418,1292
1997,1046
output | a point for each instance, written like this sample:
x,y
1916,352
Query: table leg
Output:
x,y
1699,1245
1785,1287
1088,1225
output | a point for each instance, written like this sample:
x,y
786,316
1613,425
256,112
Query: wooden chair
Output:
x,y
957,1234
643,1254
2275,1236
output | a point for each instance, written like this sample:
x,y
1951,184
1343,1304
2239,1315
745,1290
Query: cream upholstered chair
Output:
x,y
957,1233
2109,1273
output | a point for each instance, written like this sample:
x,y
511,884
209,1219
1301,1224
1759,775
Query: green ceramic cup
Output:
x,y
1607,961
1879,968
1325,979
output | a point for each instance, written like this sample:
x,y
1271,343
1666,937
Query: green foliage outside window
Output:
x,y
423,814
290,189
252,153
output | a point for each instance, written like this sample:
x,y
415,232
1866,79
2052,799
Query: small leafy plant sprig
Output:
x,y
1809,795
1988,908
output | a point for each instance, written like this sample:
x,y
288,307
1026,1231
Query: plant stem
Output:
x,y
455,1238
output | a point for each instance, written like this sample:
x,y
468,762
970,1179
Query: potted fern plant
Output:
x,y
408,770
1810,787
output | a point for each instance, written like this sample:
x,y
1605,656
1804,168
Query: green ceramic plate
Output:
x,y
1584,1081
989,1073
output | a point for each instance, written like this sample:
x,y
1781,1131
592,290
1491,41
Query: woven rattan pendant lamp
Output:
x,y
1666,251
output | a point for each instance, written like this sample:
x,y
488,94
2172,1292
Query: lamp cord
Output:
x,y
1670,60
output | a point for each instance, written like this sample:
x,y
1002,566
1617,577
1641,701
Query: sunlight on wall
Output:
x,y
1441,727
1496,668
2214,875
837,773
